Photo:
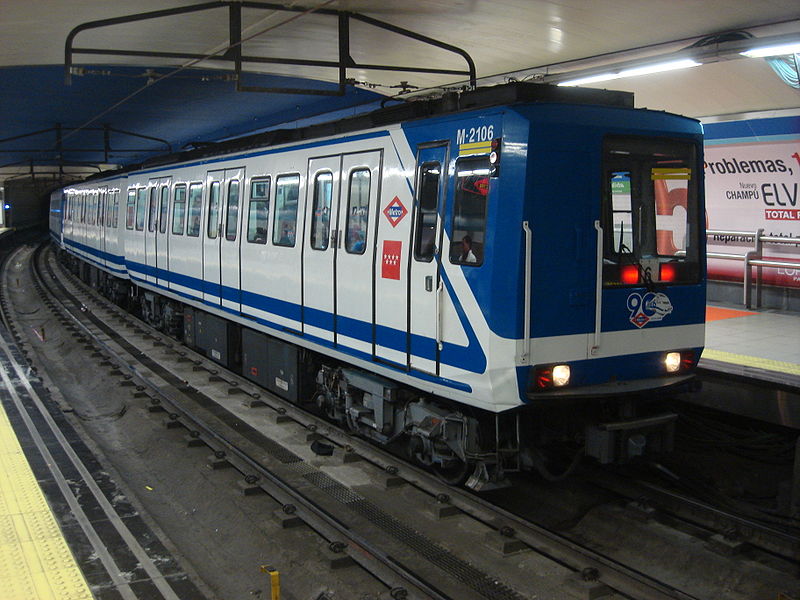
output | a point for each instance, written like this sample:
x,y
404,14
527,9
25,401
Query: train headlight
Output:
x,y
672,362
550,376
561,375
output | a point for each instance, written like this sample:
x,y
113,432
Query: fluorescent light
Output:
x,y
590,79
645,70
660,67
773,50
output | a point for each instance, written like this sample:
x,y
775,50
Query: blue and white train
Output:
x,y
482,275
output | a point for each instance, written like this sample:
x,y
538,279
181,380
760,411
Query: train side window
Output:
x,y
116,209
152,220
141,208
213,211
90,209
195,209
355,237
164,211
109,218
130,214
469,211
232,211
179,210
101,207
287,192
258,211
320,220
427,211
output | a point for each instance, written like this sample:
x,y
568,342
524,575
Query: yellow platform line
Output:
x,y
35,561
752,361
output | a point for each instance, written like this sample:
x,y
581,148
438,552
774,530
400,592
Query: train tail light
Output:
x,y
552,376
629,274
667,272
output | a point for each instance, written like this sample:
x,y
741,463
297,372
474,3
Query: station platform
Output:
x,y
67,531
759,351
764,344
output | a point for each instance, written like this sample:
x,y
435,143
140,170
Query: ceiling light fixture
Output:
x,y
780,50
661,67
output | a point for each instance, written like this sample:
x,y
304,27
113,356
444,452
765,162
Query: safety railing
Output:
x,y
754,258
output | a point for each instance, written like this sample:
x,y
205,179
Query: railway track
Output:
x,y
420,540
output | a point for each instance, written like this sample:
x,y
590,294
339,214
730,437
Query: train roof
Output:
x,y
448,103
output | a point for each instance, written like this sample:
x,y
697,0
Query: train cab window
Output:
x,y
258,211
355,237
427,211
232,211
284,225
650,218
141,208
130,213
320,220
164,210
179,210
213,210
469,211
152,220
195,209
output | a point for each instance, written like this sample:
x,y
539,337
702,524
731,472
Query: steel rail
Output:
x,y
361,550
624,579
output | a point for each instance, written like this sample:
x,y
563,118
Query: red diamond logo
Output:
x,y
395,211
640,320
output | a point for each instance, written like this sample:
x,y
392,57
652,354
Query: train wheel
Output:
x,y
455,472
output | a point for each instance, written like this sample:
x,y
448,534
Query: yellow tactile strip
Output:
x,y
35,561
752,361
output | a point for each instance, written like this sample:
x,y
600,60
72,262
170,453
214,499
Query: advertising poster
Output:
x,y
753,182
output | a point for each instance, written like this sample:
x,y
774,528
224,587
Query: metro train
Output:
x,y
478,278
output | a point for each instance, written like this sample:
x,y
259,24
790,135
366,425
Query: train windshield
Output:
x,y
650,216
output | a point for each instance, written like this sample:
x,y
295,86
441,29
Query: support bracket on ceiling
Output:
x,y
234,53
55,151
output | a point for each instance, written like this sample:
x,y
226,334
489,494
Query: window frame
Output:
x,y
457,197
277,224
184,213
316,242
251,201
421,212
198,202
365,230
230,236
130,209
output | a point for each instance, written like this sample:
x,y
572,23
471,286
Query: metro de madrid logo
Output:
x,y
651,307
395,211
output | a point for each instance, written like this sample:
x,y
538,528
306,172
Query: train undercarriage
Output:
x,y
461,444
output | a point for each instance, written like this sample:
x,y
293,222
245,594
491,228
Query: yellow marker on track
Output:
x,y
35,561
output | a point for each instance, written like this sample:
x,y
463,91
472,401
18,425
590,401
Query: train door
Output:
x,y
425,284
101,225
212,292
229,242
319,247
220,245
151,227
162,237
355,250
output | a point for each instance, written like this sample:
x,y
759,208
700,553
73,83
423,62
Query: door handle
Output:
x,y
429,283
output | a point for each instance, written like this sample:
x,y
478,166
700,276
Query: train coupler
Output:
x,y
624,440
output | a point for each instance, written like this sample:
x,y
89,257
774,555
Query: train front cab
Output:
x,y
617,315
